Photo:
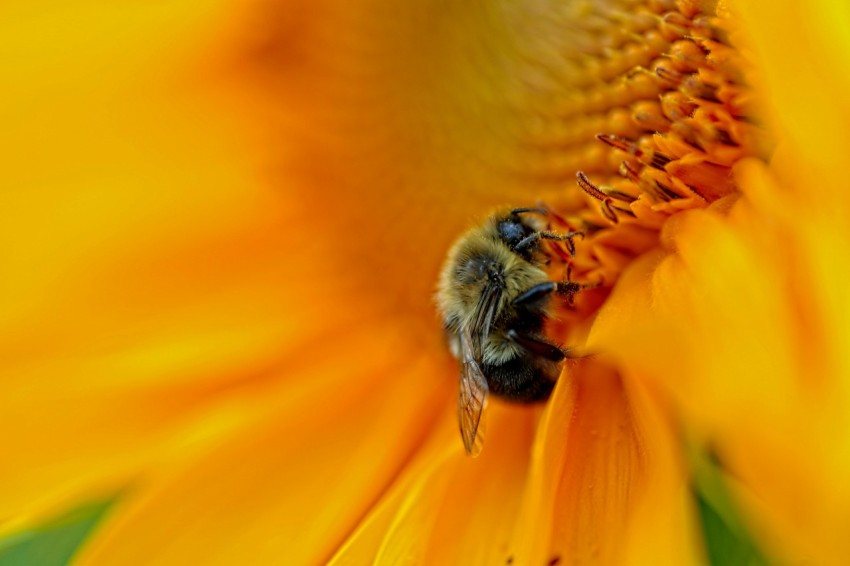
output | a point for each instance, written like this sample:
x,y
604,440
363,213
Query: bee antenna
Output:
x,y
535,210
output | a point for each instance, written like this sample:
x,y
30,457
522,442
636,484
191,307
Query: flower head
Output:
x,y
223,238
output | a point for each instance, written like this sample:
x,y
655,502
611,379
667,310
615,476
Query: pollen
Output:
x,y
662,117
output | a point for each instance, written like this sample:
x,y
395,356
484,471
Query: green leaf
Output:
x,y
727,538
54,543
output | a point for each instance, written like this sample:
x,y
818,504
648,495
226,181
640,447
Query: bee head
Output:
x,y
512,230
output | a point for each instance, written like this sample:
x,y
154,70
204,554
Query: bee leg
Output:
x,y
570,288
535,293
537,347
532,240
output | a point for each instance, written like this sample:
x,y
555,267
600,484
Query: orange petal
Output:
x,y
452,509
606,484
147,270
364,544
715,282
662,527
805,85
290,488
743,324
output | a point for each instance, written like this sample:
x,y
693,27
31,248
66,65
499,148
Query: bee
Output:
x,y
494,298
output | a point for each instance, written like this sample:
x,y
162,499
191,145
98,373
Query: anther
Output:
x,y
619,143
675,106
620,195
667,192
695,88
705,26
647,114
725,137
627,171
657,160
687,54
609,211
674,25
588,187
669,75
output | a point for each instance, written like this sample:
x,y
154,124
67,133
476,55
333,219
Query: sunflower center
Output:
x,y
663,116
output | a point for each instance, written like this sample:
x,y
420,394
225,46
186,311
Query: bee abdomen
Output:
x,y
524,379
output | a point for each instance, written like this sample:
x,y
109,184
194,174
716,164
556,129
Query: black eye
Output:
x,y
511,232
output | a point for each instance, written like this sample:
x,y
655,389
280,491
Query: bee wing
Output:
x,y
485,314
472,397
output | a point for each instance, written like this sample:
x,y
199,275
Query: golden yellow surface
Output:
x,y
221,224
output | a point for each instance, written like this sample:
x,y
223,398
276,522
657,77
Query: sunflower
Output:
x,y
223,224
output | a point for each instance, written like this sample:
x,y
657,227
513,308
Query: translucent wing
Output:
x,y
485,314
472,397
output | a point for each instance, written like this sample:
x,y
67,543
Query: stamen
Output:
x,y
619,195
669,75
676,106
647,114
674,24
606,206
588,187
694,87
657,160
666,86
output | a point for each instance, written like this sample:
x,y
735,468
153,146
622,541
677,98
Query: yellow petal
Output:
x,y
466,508
804,85
349,201
742,324
606,484
364,544
449,508
293,486
150,274
662,528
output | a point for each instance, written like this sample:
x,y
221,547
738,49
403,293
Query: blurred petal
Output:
x,y
110,223
804,85
419,125
293,486
276,203
756,387
158,264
